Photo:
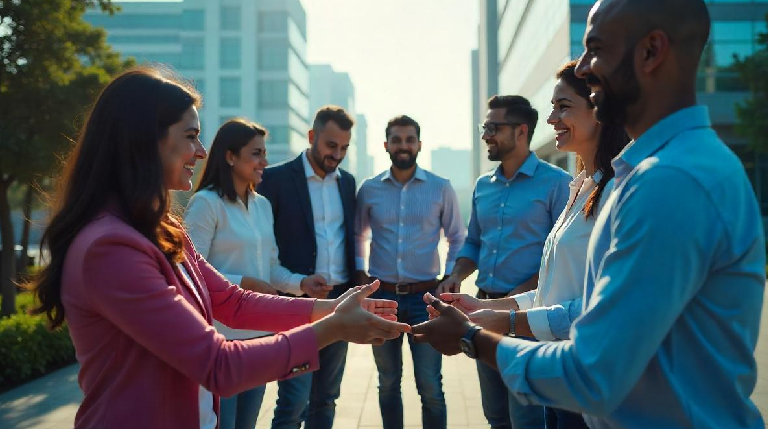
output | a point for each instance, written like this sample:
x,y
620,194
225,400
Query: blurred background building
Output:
x,y
247,58
522,43
447,163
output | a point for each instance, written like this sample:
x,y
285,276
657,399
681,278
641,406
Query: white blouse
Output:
x,y
556,303
239,242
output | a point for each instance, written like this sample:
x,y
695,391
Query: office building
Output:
x,y
247,58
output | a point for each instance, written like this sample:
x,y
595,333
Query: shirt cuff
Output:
x,y
234,279
538,320
304,355
470,252
524,302
449,267
294,285
360,263
512,361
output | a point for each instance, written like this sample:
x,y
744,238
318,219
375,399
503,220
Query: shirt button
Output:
x,y
507,184
498,228
490,275
502,204
494,250
401,224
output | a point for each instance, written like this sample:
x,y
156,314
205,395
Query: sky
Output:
x,y
404,57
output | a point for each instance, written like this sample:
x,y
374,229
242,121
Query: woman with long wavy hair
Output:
x,y
547,312
137,297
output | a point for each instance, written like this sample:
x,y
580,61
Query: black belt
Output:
x,y
490,295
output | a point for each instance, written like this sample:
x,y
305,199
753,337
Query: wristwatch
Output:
x,y
465,343
511,332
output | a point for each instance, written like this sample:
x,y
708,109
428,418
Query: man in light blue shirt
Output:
x,y
675,265
513,210
405,208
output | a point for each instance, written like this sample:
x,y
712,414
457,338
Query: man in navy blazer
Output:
x,y
313,202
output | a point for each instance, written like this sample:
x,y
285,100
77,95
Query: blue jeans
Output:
x,y
501,409
242,410
427,364
562,419
312,397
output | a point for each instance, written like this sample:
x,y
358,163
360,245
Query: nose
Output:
x,y
553,117
200,152
583,67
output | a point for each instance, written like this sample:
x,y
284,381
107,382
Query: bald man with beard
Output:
x,y
676,261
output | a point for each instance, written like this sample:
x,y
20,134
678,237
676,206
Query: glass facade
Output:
x,y
192,53
229,18
229,91
229,53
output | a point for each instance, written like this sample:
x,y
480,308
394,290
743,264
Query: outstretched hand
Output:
x,y
362,320
445,329
464,302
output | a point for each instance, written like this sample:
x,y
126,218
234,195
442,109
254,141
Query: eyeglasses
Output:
x,y
491,128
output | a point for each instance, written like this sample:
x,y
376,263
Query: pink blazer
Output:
x,y
145,341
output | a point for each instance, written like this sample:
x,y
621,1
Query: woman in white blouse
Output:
x,y
547,312
231,226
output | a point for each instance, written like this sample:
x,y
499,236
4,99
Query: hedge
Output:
x,y
27,348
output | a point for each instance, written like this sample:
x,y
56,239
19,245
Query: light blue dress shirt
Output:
x,y
405,221
510,221
673,294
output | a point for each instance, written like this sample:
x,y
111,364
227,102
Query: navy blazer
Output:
x,y
285,186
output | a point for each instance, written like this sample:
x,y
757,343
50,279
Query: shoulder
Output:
x,y
485,177
552,171
204,195
107,231
282,167
435,178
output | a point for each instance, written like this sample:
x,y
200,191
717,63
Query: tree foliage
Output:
x,y
52,65
753,113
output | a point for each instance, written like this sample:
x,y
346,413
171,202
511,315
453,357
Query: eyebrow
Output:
x,y
197,130
563,99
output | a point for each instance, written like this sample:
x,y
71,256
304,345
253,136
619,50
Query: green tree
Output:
x,y
752,114
52,64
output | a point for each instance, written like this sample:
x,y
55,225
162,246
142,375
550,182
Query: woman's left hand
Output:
x,y
383,308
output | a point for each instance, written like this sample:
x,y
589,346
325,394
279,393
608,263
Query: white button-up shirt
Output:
x,y
238,242
328,214
556,303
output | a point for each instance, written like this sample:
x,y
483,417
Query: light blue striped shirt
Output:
x,y
405,221
673,294
510,221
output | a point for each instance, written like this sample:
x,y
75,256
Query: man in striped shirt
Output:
x,y
404,209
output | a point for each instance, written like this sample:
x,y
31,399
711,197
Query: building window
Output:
x,y
138,39
230,18
273,55
273,93
135,21
273,22
192,53
193,20
229,53
229,92
278,134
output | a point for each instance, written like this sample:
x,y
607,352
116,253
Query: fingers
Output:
x,y
436,303
433,313
458,306
382,303
387,325
450,296
366,291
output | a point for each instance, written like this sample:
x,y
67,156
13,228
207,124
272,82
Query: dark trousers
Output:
x,y
562,419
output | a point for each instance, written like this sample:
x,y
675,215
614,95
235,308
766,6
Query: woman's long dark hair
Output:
x,y
117,160
231,137
611,140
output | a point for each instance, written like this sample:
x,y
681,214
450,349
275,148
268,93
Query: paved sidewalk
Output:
x,y
51,402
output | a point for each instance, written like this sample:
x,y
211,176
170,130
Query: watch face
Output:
x,y
467,347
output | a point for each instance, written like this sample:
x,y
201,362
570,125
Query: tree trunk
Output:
x,y
21,270
8,259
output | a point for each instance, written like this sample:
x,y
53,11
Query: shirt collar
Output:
x,y
659,135
528,168
310,172
418,174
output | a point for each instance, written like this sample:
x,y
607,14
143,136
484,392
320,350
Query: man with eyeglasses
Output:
x,y
513,209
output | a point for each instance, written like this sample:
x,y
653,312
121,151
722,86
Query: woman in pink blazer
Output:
x,y
137,297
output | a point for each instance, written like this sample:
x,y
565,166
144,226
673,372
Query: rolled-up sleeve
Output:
x,y
471,248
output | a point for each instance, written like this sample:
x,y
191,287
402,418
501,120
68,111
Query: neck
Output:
x,y
241,188
316,168
588,159
513,162
657,108
403,176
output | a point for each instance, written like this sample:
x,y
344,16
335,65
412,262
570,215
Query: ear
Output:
x,y
311,136
521,132
654,49
418,148
386,146
230,157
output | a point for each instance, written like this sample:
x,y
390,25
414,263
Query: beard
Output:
x,y
613,106
498,151
403,164
324,161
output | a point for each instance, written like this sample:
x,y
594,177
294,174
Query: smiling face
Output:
x,y
180,150
248,165
501,142
608,65
329,147
572,117
403,146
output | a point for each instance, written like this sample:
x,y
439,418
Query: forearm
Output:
x,y
486,343
464,268
322,308
522,327
506,303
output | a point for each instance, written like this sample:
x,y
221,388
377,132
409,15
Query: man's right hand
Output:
x,y
450,284
464,302
315,286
